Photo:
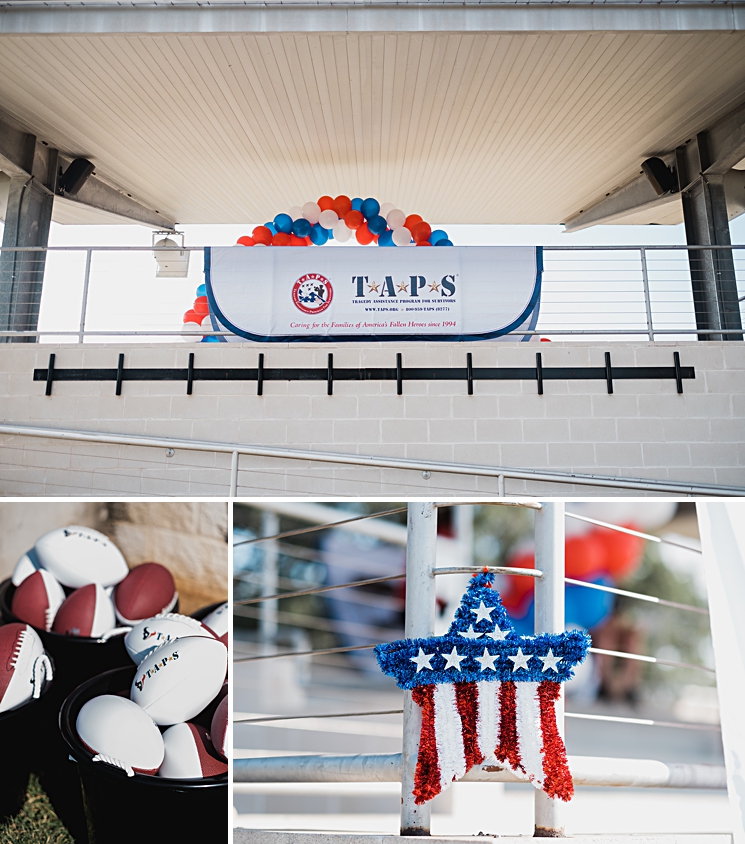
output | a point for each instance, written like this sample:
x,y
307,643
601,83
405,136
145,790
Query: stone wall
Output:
x,y
643,430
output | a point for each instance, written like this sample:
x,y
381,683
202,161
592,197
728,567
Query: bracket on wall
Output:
x,y
468,373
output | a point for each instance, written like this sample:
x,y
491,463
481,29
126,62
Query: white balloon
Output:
x,y
328,219
401,236
207,322
296,212
386,208
341,232
395,219
311,212
193,332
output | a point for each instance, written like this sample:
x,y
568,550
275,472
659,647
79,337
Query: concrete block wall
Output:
x,y
643,430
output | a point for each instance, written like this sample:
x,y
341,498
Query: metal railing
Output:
x,y
419,622
107,294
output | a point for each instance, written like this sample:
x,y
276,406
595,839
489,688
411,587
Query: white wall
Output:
x,y
645,429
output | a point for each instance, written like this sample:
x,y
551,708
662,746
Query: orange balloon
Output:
x,y
245,241
623,552
262,234
297,241
192,316
342,205
585,556
281,239
308,241
421,231
364,236
201,305
411,221
326,203
423,243
354,219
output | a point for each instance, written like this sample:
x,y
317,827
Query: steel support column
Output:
x,y
420,622
549,618
706,224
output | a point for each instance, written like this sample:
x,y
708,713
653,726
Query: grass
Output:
x,y
36,823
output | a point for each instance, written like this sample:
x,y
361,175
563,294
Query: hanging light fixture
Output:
x,y
172,260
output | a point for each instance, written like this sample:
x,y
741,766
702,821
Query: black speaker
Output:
x,y
75,176
662,178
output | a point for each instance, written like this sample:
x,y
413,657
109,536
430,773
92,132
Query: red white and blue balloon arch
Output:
x,y
317,223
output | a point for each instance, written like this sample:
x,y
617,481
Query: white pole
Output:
x,y
549,618
234,474
420,622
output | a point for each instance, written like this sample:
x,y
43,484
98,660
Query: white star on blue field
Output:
x,y
482,644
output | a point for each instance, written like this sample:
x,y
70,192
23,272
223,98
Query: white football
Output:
x,y
151,633
28,564
119,733
77,556
177,681
37,599
218,622
24,666
88,611
189,753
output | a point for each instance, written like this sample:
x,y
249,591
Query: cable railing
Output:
x,y
93,294
421,568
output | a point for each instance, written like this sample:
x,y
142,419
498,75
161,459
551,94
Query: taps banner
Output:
x,y
353,293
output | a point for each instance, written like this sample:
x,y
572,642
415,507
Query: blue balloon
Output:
x,y
318,235
356,204
210,339
272,228
377,224
443,242
370,208
201,290
331,233
386,239
301,227
588,607
437,234
283,222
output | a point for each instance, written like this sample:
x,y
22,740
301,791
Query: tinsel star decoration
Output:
x,y
487,695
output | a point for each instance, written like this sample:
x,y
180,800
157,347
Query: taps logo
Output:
x,y
312,293
160,664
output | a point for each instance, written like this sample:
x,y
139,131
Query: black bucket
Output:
x,y
22,746
145,809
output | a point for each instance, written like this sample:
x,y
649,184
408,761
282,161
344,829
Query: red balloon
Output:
x,y
342,205
623,552
297,241
423,243
421,231
262,234
192,316
201,306
308,241
245,241
326,203
411,221
364,236
354,219
585,556
281,239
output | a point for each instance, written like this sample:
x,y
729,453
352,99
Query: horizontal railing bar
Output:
x,y
648,536
323,715
314,622
551,248
607,481
317,652
380,767
651,659
537,573
624,593
319,589
313,528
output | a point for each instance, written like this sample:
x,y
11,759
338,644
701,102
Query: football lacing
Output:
x,y
176,616
42,671
20,639
116,763
115,631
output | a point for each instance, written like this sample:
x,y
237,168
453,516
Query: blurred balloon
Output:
x,y
202,290
401,236
423,243
421,231
376,224
437,234
356,204
207,322
370,208
385,209
354,220
319,235
297,241
281,239
245,241
326,203
411,221
342,232
444,242
296,212
210,339
364,235
301,227
272,228
283,222
386,238
262,234
191,316
395,218
201,305
311,212
342,205
328,219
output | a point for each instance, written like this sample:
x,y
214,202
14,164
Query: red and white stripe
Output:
x,y
465,724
